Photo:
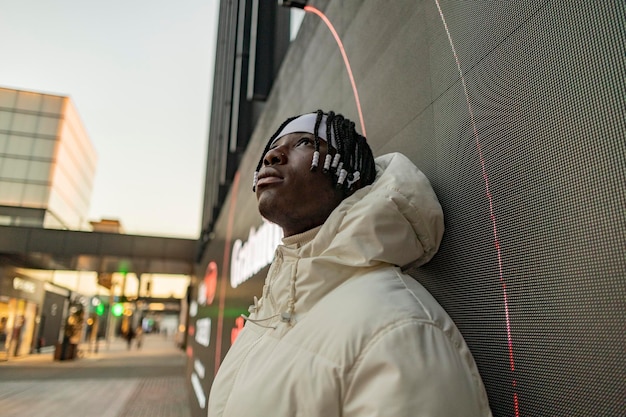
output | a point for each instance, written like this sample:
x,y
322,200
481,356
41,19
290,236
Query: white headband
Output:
x,y
306,123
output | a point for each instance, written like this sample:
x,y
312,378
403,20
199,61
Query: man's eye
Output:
x,y
304,141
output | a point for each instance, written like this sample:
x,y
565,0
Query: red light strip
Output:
x,y
491,211
345,60
225,270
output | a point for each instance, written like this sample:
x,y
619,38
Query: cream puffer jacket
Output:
x,y
341,331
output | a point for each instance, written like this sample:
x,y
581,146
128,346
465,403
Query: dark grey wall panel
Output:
x,y
525,147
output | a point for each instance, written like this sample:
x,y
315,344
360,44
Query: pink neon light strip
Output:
x,y
225,271
345,60
491,211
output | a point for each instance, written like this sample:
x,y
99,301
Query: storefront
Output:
x,y
20,299
55,305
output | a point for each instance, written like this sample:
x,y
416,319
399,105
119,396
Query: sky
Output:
x,y
140,74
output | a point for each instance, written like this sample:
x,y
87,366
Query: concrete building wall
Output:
x,y
47,161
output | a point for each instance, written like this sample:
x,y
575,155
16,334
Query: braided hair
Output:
x,y
350,165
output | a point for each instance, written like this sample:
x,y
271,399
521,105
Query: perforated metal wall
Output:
x,y
515,111
528,161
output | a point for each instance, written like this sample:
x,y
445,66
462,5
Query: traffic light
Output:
x,y
117,309
100,309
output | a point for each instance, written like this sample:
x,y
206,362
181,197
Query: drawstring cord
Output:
x,y
258,322
291,302
252,309
285,316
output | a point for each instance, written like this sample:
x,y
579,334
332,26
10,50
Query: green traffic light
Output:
x,y
100,309
117,310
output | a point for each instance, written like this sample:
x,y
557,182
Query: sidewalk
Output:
x,y
114,382
153,344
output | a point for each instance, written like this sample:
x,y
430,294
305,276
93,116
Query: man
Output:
x,y
340,330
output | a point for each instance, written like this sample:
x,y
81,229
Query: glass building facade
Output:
x,y
47,162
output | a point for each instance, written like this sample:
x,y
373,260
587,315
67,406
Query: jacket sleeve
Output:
x,y
413,369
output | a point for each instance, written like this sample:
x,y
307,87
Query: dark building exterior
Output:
x,y
514,110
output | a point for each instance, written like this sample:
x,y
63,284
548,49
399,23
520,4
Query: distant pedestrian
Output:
x,y
139,336
130,335
3,333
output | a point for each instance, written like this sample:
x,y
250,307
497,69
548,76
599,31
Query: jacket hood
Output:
x,y
396,220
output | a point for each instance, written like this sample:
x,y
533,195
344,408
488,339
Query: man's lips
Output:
x,y
267,178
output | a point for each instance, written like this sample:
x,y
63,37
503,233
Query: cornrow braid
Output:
x,y
329,130
316,154
357,157
352,166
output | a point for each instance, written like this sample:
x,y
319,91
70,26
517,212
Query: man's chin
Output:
x,y
266,206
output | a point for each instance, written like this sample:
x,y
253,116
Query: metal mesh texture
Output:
x,y
529,168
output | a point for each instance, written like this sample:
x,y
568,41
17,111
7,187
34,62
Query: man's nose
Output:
x,y
275,156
